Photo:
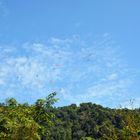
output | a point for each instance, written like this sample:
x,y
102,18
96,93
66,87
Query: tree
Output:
x,y
11,102
43,116
26,122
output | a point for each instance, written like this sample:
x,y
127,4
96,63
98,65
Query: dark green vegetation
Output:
x,y
41,121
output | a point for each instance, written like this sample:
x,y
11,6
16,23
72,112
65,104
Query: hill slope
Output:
x,y
87,121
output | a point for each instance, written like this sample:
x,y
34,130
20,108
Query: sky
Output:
x,y
86,50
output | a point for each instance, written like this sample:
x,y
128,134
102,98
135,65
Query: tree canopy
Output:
x,y
88,121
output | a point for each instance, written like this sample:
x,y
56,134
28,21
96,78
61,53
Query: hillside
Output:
x,y
41,121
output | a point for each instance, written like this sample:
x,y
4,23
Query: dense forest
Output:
x,y
88,121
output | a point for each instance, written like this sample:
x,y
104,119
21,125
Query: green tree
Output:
x,y
11,102
43,116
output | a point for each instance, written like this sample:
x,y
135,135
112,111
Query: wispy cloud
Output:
x,y
81,69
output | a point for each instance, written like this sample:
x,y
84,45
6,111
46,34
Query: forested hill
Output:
x,y
93,121
87,121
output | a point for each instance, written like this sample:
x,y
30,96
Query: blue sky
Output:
x,y
85,50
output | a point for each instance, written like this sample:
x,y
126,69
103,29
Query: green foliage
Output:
x,y
25,122
17,122
11,102
91,121
41,121
87,138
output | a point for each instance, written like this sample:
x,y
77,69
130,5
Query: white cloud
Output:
x,y
112,76
86,70
2,82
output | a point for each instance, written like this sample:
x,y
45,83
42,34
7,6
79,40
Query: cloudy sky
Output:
x,y
87,51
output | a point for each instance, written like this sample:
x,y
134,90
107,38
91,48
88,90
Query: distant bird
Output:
x,y
88,57
55,66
